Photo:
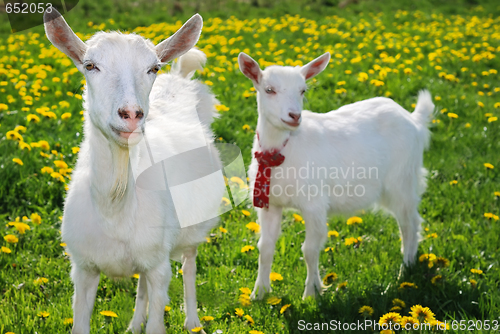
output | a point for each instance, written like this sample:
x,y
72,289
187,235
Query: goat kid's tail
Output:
x,y
188,63
422,115
424,109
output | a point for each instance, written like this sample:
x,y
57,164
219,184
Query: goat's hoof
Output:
x,y
259,292
312,291
189,325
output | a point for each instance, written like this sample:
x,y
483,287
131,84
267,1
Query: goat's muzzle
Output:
x,y
132,117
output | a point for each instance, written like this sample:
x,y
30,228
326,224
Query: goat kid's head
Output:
x,y
280,89
120,71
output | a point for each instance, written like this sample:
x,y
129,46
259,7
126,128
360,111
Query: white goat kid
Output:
x,y
376,136
110,225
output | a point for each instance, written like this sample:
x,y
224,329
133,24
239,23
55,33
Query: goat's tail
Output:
x,y
422,115
188,63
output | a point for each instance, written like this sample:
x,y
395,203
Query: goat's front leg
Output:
x,y
316,234
141,306
158,280
270,229
189,277
86,283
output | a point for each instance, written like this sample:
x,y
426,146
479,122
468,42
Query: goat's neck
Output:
x,y
111,180
270,137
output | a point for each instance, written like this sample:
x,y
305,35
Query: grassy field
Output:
x,y
374,53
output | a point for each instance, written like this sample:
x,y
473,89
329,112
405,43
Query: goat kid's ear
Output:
x,y
182,41
62,37
249,67
315,67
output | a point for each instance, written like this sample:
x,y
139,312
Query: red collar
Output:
x,y
266,160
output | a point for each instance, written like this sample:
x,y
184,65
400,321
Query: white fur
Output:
x,y
132,230
376,133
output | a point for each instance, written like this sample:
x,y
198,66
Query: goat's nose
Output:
x,y
132,116
294,116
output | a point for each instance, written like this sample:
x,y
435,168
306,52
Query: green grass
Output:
x,y
455,213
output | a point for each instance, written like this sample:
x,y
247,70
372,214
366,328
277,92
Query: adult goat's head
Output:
x,y
280,89
120,70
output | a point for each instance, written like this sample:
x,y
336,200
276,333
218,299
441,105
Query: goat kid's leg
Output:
x,y
409,222
141,306
189,278
86,283
316,234
270,229
158,280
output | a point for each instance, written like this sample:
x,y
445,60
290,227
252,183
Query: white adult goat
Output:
x,y
377,137
110,224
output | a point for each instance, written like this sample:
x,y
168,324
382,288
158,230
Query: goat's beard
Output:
x,y
121,160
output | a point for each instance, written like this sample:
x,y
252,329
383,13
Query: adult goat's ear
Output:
x,y
316,66
182,41
62,37
249,67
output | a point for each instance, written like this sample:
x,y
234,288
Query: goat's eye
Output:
x,y
269,90
154,69
302,92
90,67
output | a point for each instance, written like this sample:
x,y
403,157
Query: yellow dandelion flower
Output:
x,y
436,279
207,318
395,309
481,104
409,322
406,285
390,318
249,319
354,220
246,127
452,115
284,308
453,182
492,119
297,217
255,332
66,115
222,229
245,212
11,239
488,165
60,164
5,250
40,280
22,227
110,314
253,226
180,271
333,234
196,329
43,314
275,277
273,300
245,291
18,161
473,282
68,321
366,311
398,302
33,117
167,308
244,300
476,271
47,170
239,312
442,262
329,278
497,193
342,286
352,241
247,248
75,150
422,314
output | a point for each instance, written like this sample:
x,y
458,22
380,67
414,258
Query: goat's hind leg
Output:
x,y
316,234
409,222
189,278
86,283
270,228
141,306
158,280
